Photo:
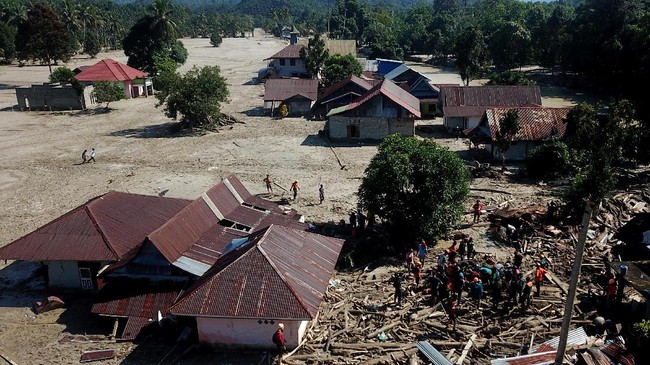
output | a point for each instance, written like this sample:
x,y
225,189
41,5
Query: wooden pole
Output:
x,y
573,285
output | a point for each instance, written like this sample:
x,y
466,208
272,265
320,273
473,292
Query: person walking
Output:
x,y
84,156
321,193
269,184
294,188
525,293
92,155
410,255
539,278
478,208
280,341
451,312
422,251
397,284
471,251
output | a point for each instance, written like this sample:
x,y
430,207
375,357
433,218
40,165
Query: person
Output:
x,y
518,260
417,271
409,260
462,247
84,157
545,262
525,293
353,219
516,288
92,155
476,292
294,188
457,132
539,278
442,259
478,207
321,193
451,312
470,249
422,251
269,184
610,292
434,285
397,284
280,341
459,284
361,220
497,287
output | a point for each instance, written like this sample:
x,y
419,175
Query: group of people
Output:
x,y
457,272
86,157
294,188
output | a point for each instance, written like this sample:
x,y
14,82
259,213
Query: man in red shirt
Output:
x,y
478,208
279,341
539,278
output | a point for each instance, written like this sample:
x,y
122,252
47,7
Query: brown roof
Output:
x,y
465,101
136,298
389,89
350,79
283,89
105,228
279,273
290,51
535,123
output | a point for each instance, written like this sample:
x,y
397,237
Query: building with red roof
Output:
x,y
136,82
385,109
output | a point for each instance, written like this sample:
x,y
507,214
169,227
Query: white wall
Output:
x,y
247,332
287,70
63,274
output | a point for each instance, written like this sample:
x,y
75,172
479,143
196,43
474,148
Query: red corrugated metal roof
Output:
x,y
133,327
283,89
392,91
239,187
618,353
281,273
290,51
535,123
136,298
223,198
363,84
110,70
104,229
466,100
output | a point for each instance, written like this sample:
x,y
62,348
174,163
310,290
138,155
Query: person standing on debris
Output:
x,y
545,262
321,193
471,251
353,219
410,255
84,157
442,259
451,312
476,292
525,293
280,341
417,271
422,251
459,284
610,292
478,208
462,247
539,278
497,287
434,285
269,184
397,284
92,155
518,260
294,188
516,288
361,220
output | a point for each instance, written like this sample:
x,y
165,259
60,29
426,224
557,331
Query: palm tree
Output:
x,y
161,23
69,12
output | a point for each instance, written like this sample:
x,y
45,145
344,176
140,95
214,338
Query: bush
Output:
x,y
551,160
510,78
215,39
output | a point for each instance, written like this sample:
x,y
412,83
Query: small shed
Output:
x,y
297,94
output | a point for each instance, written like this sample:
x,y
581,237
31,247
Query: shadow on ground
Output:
x,y
318,140
167,352
165,130
257,111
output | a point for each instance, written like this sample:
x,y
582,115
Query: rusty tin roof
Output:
x,y
535,123
279,273
390,90
283,89
466,101
290,51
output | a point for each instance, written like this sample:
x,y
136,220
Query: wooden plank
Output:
x,y
468,346
97,355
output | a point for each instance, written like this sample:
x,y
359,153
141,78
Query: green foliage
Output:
x,y
108,92
349,20
382,33
61,74
7,42
338,67
642,328
509,78
92,45
314,55
215,39
471,54
44,37
551,160
508,129
416,186
195,97
510,45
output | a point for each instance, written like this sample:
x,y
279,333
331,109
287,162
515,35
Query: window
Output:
x,y
292,62
282,62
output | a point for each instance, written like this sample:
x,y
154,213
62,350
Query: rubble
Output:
x,y
360,324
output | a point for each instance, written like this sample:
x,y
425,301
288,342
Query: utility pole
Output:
x,y
573,284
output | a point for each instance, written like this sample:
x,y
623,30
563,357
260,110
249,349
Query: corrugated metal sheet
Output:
x,y
432,354
282,273
290,51
360,83
535,123
109,70
618,353
239,187
133,327
541,358
283,89
136,298
222,198
575,337
97,355
389,89
104,229
458,101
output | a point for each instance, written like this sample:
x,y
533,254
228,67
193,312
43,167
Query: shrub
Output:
x,y
551,160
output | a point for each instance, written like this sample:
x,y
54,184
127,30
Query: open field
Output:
x,y
41,176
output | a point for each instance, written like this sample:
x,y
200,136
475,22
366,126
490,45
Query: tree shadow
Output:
x,y
22,283
165,130
167,352
92,111
319,140
12,108
435,131
257,111
77,317
7,87
253,81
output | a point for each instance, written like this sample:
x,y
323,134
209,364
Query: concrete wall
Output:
x,y
51,96
298,106
247,332
287,70
461,122
369,127
63,274
517,151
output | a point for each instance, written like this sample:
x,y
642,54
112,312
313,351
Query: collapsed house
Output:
x,y
54,96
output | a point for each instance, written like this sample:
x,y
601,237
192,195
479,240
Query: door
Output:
x,y
353,131
86,278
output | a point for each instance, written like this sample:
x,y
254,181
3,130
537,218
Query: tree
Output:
x,y
215,39
338,67
62,74
44,37
195,97
92,46
471,54
314,55
108,92
416,186
510,78
7,42
508,129
510,45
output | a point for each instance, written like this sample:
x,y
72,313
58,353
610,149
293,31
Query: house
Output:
x,y
54,96
536,124
419,86
382,110
297,94
136,82
342,93
76,245
463,106
385,66
285,63
278,274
